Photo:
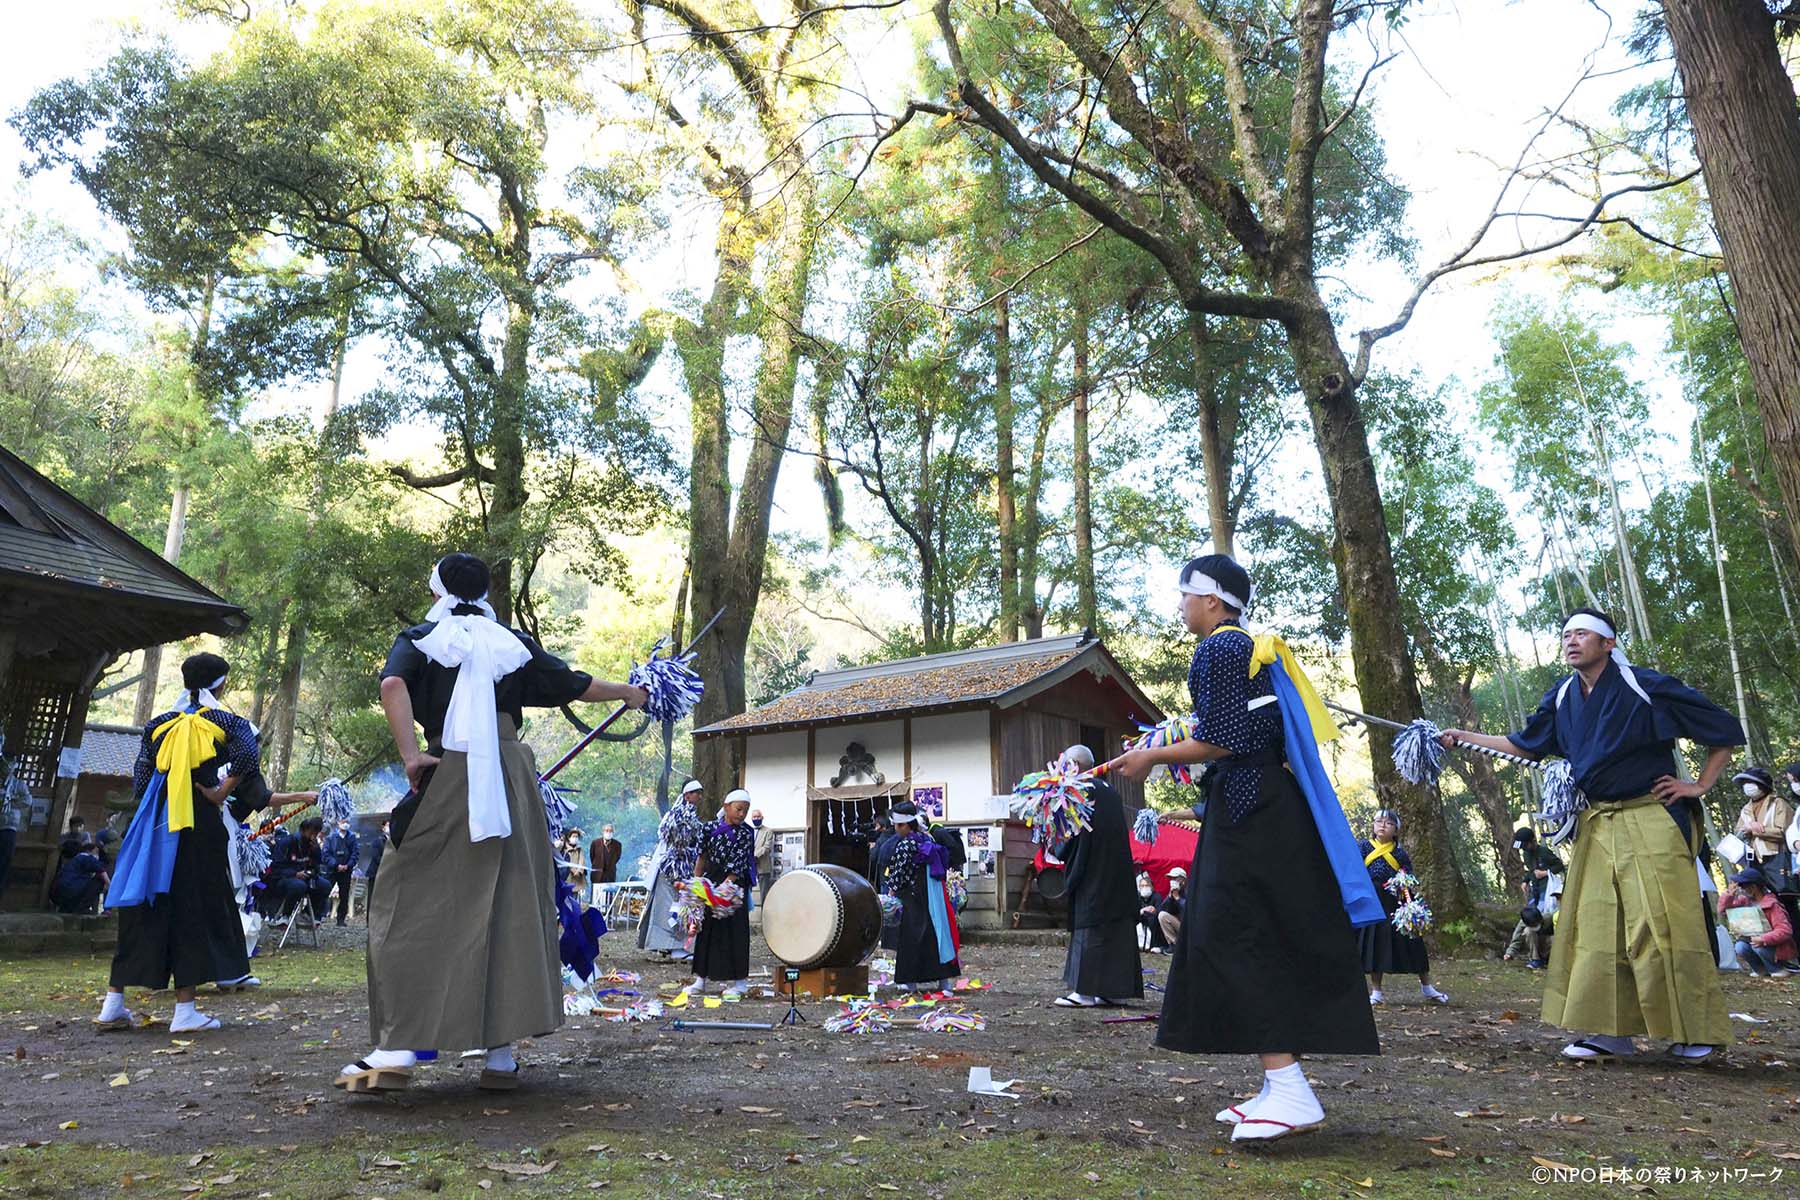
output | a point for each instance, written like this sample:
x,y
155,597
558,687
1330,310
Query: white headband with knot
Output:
x,y
202,697
692,786
483,652
1592,624
1199,583
446,601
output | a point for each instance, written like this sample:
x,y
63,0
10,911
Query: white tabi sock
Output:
x,y
500,1058
403,1059
185,1013
113,1007
1227,1117
1290,1103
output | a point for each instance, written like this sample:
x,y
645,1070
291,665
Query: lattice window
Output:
x,y
41,707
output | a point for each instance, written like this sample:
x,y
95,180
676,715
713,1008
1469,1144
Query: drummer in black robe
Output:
x,y
1262,967
727,855
178,920
924,951
1102,966
463,933
1385,950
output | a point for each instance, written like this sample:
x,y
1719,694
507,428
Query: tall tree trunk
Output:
x,y
1003,471
709,475
782,302
1087,605
1718,553
145,707
930,586
1218,449
1740,102
1379,649
1476,770
1031,612
287,696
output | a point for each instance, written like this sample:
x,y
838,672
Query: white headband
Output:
x,y
1592,624
736,796
692,785
446,601
1199,583
204,698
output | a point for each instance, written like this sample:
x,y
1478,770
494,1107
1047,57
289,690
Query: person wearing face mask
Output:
x,y
765,853
1174,907
1149,930
604,853
1762,820
337,860
575,857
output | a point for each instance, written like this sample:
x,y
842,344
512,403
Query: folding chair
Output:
x,y
297,909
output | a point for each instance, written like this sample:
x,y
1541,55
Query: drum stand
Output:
x,y
794,1015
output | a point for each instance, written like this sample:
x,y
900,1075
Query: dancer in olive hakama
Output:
x,y
1633,953
463,932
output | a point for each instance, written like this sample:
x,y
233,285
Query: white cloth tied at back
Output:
x,y
1199,583
483,652
1593,624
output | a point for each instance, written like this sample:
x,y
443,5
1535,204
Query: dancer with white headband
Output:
x,y
463,933
1269,971
1634,946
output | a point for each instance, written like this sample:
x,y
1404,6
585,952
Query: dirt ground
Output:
x,y
1467,1099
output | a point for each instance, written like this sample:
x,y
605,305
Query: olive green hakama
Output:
x,y
1633,954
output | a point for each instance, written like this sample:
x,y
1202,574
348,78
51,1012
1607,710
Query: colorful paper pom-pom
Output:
x,y
1054,803
952,1020
1171,732
1412,918
670,682
1401,881
860,1017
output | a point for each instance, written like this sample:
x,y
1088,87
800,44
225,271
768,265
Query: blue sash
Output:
x,y
146,859
1358,890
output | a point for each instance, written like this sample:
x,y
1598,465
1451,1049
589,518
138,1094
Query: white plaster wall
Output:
x,y
775,777
886,740
953,749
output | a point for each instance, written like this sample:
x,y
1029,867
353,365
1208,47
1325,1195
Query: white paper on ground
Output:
x,y
1749,1018
981,1082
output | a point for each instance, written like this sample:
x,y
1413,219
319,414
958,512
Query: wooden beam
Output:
x,y
906,746
62,789
812,757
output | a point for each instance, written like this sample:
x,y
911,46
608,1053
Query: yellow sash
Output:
x,y
1383,850
183,744
1267,647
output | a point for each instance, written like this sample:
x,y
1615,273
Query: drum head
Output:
x,y
802,917
1052,883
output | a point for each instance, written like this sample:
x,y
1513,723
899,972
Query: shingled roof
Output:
x,y
110,749
991,677
83,583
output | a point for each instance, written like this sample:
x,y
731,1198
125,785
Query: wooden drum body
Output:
x,y
821,916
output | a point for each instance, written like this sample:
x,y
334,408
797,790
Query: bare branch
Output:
x,y
425,483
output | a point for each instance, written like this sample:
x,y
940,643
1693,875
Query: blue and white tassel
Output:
x,y
1146,826
250,854
1418,755
557,808
335,802
670,682
1562,802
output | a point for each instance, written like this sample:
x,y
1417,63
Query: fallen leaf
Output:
x,y
199,1158
522,1169
1367,1183
484,1184
1570,1118
619,1107
886,1187
385,1161
119,1080
601,1148
752,1108
222,1180
70,1125
1443,1153
1789,1157
858,1138
1509,1015
658,1156
1092,1177
597,1184
1438,1138
1551,1163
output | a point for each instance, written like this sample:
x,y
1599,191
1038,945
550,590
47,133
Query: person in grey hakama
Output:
x,y
1102,967
677,849
463,932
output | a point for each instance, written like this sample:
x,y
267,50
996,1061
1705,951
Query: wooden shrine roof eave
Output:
x,y
849,718
1106,669
102,619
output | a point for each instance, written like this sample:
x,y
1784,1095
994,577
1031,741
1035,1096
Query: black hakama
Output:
x,y
1384,949
922,946
722,947
722,944
1103,905
192,934
1267,959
